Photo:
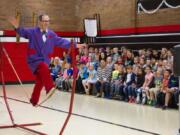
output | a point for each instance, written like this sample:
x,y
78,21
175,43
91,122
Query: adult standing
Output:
x,y
42,40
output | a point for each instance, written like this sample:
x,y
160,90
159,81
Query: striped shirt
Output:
x,y
104,73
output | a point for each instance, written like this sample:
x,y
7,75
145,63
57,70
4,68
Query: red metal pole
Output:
x,y
3,84
7,104
5,98
73,88
33,131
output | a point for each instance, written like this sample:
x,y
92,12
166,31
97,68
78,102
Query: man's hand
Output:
x,y
81,45
14,22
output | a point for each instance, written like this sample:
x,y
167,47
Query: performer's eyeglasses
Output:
x,y
45,20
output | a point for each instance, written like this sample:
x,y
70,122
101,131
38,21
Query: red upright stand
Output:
x,y
13,124
73,52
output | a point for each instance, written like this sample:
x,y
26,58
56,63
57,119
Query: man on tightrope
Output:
x,y
42,40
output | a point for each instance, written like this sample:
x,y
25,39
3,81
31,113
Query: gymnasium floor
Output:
x,y
91,116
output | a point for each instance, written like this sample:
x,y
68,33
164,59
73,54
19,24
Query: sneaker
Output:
x,y
103,95
82,92
98,95
59,87
154,103
138,100
130,100
133,100
144,100
126,100
87,91
121,98
148,102
157,106
164,107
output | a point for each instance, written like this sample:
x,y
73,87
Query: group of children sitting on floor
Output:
x,y
143,77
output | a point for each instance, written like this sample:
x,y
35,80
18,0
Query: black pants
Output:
x,y
79,86
161,98
103,87
176,97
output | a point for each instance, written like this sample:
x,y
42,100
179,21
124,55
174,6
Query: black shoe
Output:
x,y
121,98
126,100
82,92
157,106
164,107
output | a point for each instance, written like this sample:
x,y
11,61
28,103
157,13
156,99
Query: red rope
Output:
x,y
73,87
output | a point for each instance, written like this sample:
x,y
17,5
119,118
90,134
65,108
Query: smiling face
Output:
x,y
136,60
166,74
103,63
56,61
129,69
44,22
91,67
148,69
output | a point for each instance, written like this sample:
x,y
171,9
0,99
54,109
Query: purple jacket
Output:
x,y
38,51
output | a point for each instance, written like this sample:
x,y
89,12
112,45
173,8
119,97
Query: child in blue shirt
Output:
x,y
92,79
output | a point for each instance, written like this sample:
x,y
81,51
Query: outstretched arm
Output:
x,y
64,43
23,32
61,42
14,22
81,45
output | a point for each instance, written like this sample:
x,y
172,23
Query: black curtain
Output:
x,y
173,2
153,4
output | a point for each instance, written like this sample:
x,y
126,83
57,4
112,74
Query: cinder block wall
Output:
x,y
62,12
114,13
162,17
68,15
122,14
